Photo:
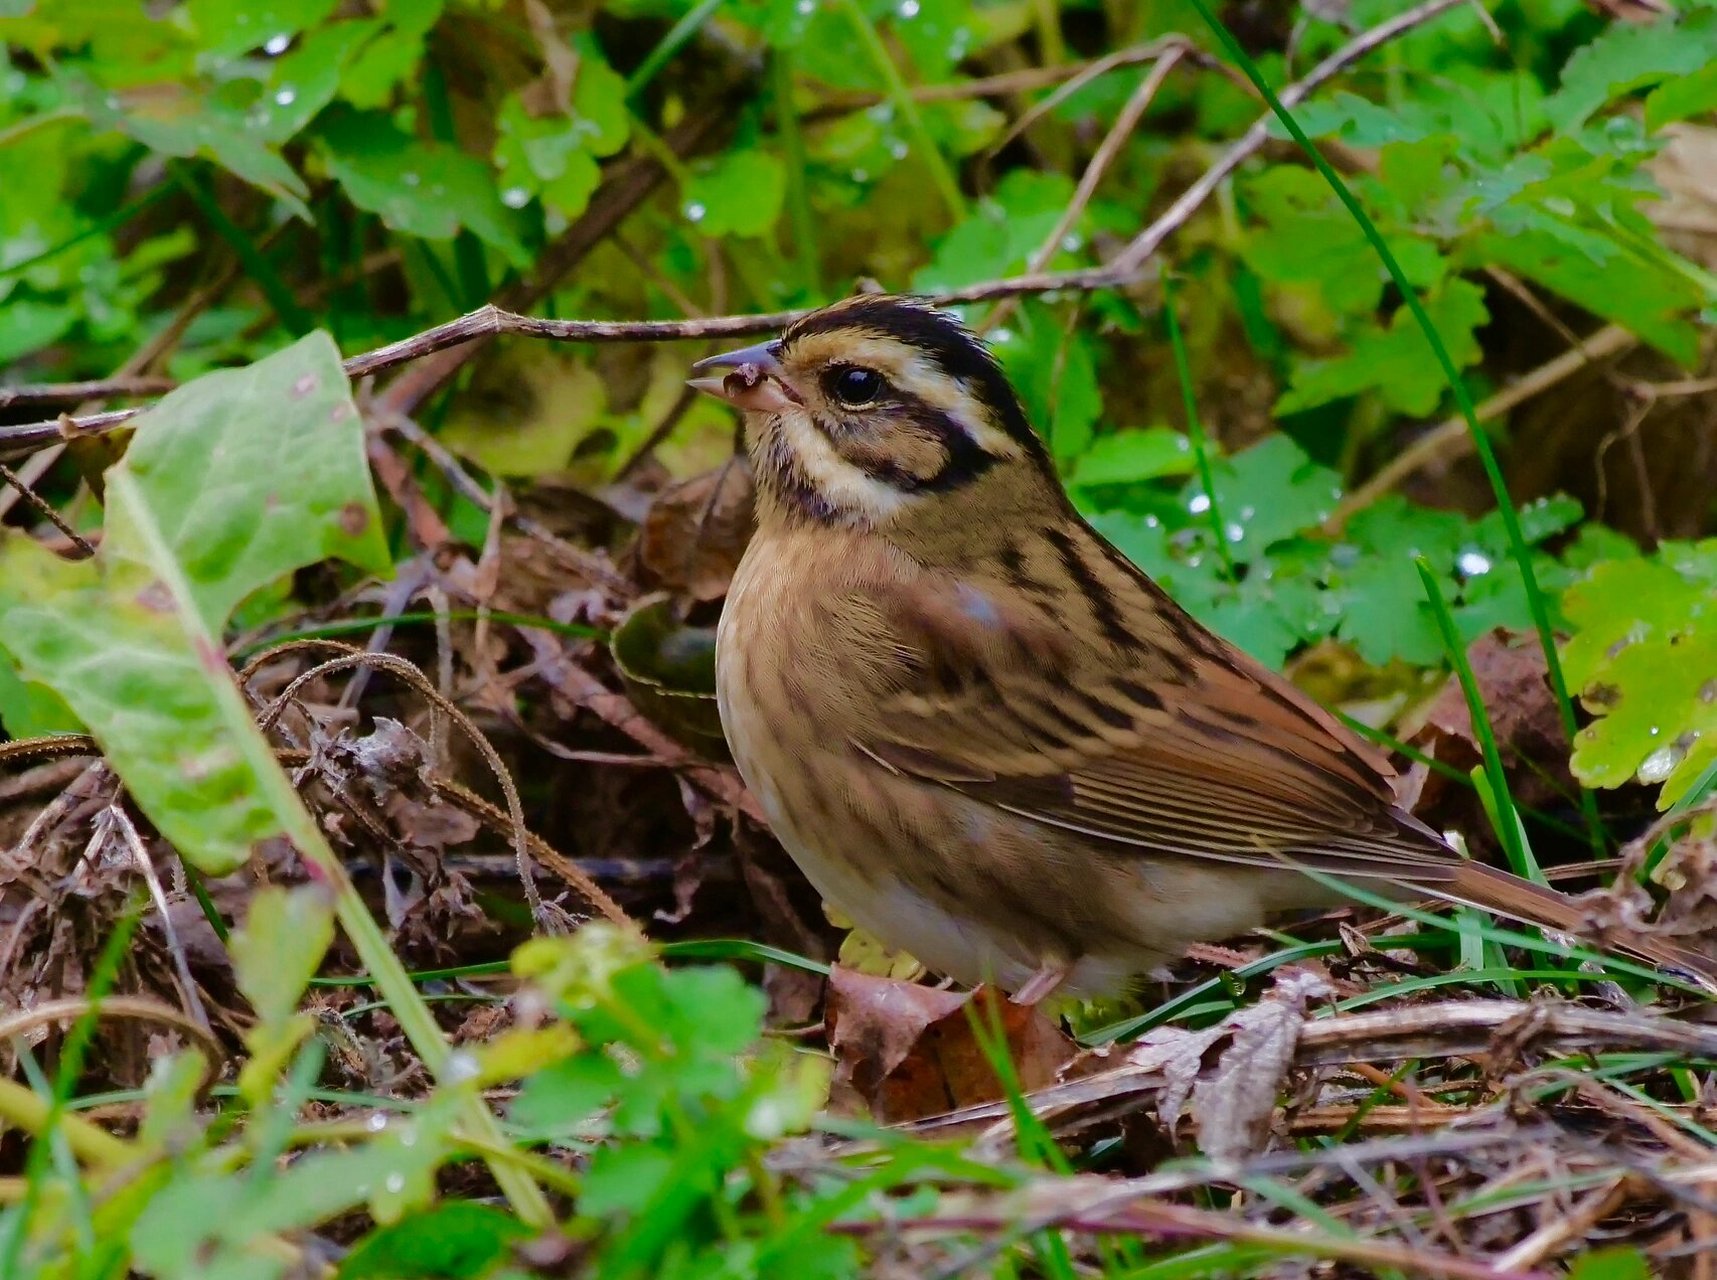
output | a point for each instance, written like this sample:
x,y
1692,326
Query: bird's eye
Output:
x,y
854,386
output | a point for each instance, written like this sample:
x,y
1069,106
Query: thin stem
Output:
x,y
900,97
1506,819
1537,602
798,192
1195,430
670,44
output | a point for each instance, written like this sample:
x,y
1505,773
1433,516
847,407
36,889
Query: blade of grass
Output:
x,y
257,268
1195,429
52,1146
670,44
1518,549
1506,822
900,98
798,192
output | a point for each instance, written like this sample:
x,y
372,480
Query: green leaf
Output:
x,y
739,194
1268,492
1396,361
554,155
29,709
392,58
1052,366
1001,234
1127,457
231,481
453,1241
420,188
1629,57
1615,1263
1684,96
1307,237
227,30
1643,660
280,946
559,1098
302,82
179,122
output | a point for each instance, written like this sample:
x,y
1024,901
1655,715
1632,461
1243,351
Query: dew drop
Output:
x,y
908,8
1200,504
1001,337
377,1122
695,212
460,1066
286,97
805,8
274,46
411,178
897,149
515,197
1072,243
1659,764
395,1183
1235,532
1473,563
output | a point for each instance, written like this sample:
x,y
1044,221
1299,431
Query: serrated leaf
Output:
x,y
231,481
1397,361
422,188
739,194
1643,661
1629,57
302,82
1684,96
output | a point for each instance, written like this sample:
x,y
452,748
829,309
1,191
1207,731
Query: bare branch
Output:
x,y
1126,267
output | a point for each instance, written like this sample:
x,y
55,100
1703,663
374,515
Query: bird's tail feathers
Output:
x,y
1508,895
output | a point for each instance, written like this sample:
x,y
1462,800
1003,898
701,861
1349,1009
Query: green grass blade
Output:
x,y
1518,549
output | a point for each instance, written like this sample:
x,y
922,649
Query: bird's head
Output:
x,y
880,413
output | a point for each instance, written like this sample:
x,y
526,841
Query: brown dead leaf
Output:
x,y
695,532
907,1051
1523,712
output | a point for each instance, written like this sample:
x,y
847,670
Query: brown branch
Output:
x,y
487,322
1449,440
51,395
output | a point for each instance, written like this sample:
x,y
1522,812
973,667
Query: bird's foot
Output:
x,y
1042,984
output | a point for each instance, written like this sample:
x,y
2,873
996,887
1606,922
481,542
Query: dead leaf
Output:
x,y
691,540
907,1051
1233,1099
1525,718
1235,1102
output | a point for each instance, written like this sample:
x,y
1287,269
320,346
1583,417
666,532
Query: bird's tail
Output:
x,y
1530,903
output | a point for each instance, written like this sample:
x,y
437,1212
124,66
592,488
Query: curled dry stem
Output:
x,y
525,843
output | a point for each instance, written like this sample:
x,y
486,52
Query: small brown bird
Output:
x,y
985,735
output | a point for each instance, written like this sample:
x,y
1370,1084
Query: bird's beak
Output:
x,y
749,378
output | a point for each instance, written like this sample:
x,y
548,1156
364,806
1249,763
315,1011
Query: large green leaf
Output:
x,y
232,481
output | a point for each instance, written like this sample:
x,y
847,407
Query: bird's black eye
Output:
x,y
853,386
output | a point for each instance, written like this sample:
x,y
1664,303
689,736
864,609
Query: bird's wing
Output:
x,y
1108,711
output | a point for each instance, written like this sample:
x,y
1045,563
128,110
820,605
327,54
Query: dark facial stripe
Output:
x,y
963,460
938,335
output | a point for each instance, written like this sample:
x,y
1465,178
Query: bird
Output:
x,y
981,732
